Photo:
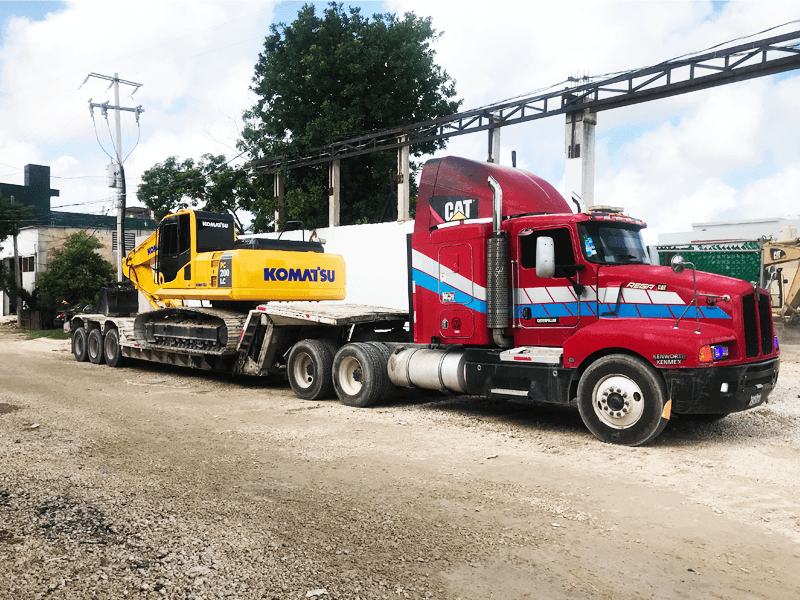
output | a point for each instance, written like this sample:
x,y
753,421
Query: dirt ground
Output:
x,y
154,482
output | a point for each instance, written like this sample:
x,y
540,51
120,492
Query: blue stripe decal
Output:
x,y
654,311
623,311
537,311
714,312
607,310
569,309
627,311
432,284
557,310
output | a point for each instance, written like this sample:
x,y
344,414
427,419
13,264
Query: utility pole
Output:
x,y
119,183
17,274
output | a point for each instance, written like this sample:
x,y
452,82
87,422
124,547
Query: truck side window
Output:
x,y
562,242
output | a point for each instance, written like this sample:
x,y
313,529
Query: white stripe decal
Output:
x,y
630,296
431,267
665,297
562,294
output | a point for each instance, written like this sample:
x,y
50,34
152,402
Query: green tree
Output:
x,y
13,216
170,186
323,79
209,183
77,272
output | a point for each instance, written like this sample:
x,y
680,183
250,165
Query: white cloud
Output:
x,y
195,60
725,153
671,162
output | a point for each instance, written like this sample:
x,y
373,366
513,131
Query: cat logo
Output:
x,y
777,254
451,209
458,210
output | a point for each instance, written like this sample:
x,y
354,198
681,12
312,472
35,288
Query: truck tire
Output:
x,y
357,376
94,347
309,369
79,345
621,399
112,350
383,356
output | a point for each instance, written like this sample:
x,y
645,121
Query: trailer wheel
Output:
x,y
79,345
94,346
112,350
621,400
357,376
309,369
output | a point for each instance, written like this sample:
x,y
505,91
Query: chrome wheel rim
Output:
x,y
618,401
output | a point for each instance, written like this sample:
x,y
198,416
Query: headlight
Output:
x,y
710,353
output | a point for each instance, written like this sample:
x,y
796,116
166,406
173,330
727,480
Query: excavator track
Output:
x,y
206,330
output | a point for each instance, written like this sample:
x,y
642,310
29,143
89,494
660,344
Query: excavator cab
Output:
x,y
212,232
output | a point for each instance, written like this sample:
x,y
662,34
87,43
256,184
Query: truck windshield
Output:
x,y
612,243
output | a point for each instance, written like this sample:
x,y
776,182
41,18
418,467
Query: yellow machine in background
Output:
x,y
194,255
781,261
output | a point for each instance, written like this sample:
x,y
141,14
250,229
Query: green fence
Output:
x,y
740,259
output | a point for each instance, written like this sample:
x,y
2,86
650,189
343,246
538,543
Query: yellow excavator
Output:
x,y
781,262
194,255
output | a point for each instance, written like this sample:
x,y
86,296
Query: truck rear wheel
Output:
x,y
621,399
94,346
309,369
79,345
383,356
112,350
357,375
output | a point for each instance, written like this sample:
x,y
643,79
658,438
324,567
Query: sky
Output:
x,y
729,153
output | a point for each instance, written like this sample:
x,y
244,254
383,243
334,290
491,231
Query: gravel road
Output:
x,y
155,482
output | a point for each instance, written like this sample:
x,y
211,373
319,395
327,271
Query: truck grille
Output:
x,y
757,325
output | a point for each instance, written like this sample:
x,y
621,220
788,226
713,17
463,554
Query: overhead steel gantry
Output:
x,y
580,103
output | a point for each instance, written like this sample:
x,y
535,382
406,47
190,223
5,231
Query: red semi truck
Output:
x,y
511,296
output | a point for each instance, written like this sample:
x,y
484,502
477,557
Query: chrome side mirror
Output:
x,y
545,257
677,263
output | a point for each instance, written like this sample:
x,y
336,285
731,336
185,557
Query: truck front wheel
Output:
x,y
621,399
309,369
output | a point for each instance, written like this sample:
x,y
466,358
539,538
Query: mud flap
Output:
x,y
667,412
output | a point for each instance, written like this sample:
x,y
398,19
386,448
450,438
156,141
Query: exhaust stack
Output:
x,y
497,272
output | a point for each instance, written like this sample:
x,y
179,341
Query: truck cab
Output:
x,y
537,296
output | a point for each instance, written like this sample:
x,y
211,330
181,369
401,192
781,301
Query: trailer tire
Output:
x,y
94,347
79,345
621,399
357,376
309,369
112,350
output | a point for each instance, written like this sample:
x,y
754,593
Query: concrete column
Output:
x,y
579,147
279,192
334,191
494,146
403,183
